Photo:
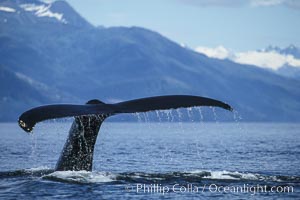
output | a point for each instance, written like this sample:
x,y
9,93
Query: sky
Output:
x,y
238,25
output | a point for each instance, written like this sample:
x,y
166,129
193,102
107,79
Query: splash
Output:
x,y
81,177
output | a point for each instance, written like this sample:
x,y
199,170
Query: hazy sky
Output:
x,y
236,24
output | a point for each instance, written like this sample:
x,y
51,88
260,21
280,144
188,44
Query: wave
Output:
x,y
204,175
38,171
85,177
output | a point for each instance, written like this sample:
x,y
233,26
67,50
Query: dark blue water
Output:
x,y
156,160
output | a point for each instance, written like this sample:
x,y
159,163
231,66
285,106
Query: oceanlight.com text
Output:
x,y
213,188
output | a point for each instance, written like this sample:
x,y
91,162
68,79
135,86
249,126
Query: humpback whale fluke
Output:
x,y
78,151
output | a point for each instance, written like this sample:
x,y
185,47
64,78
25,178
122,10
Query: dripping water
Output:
x,y
198,109
157,112
180,119
33,145
190,114
138,116
215,114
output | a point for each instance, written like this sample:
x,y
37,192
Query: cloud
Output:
x,y
214,3
237,3
219,52
266,2
293,4
289,3
272,60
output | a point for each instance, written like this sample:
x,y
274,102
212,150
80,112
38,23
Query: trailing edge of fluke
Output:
x,y
29,118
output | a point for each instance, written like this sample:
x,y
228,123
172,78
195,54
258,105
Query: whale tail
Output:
x,y
29,118
78,151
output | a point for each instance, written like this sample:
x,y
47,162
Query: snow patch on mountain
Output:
x,y
7,9
43,10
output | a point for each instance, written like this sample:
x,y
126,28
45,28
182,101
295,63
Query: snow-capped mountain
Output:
x,y
34,11
288,69
48,53
283,61
290,50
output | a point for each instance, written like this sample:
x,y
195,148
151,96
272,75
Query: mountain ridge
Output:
x,y
81,62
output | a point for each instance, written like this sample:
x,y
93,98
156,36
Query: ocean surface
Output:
x,y
146,160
